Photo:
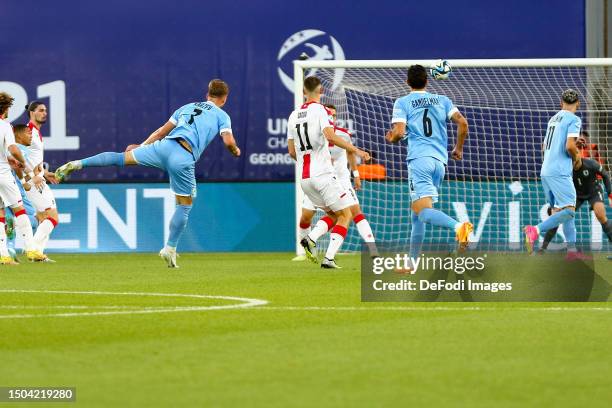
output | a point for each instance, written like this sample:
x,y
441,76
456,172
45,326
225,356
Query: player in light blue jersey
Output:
x,y
175,147
420,118
561,156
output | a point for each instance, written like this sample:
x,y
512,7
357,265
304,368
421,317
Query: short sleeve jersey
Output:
x,y
426,115
305,127
198,123
557,161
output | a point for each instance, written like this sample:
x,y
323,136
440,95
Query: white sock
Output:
x,y
42,233
24,230
303,231
336,239
3,248
322,226
363,226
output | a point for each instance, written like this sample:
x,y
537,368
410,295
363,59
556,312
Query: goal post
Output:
x,y
507,103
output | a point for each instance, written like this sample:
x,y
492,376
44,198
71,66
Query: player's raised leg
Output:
x,y
118,159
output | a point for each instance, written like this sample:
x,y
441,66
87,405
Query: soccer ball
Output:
x,y
440,70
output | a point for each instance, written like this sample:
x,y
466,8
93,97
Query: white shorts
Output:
x,y
10,195
41,200
346,184
326,192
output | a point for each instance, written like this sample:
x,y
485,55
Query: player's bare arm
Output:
x,y
230,143
16,153
574,152
352,160
462,132
49,176
158,134
331,136
396,133
291,148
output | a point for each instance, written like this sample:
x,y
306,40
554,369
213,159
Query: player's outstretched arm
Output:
x,y
462,132
396,133
331,136
230,143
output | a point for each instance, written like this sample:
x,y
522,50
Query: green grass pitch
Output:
x,y
314,344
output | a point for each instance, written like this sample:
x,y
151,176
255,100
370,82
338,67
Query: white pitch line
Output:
x,y
244,303
19,307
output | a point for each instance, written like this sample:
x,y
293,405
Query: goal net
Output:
x,y
496,186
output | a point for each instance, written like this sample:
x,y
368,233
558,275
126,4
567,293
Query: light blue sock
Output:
x,y
178,224
435,217
104,159
569,230
417,234
557,219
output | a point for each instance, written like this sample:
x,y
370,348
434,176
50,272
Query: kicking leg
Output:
x,y
100,160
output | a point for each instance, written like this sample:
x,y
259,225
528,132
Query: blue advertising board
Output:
x,y
135,217
259,216
112,72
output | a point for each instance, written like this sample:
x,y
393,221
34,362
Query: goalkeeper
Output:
x,y
589,188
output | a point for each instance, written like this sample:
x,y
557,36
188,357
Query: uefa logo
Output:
x,y
317,45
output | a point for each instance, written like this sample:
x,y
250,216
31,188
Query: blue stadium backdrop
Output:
x,y
113,71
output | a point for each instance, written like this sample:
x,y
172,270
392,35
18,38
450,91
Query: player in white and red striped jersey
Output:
x,y
10,195
42,198
342,162
309,133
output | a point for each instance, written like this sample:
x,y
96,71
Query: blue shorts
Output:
x,y
559,190
426,175
168,155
